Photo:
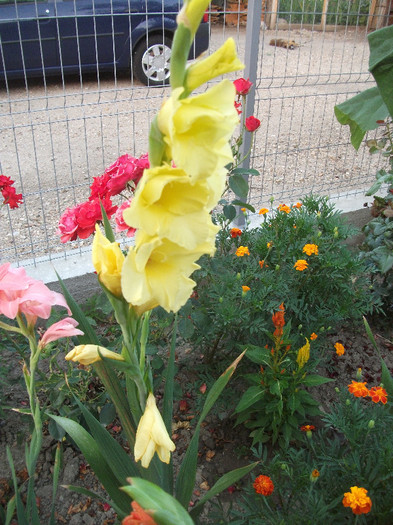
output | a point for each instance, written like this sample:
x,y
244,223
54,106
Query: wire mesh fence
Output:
x,y
58,132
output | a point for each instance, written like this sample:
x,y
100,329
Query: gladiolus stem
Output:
x,y
143,340
180,51
112,385
10,328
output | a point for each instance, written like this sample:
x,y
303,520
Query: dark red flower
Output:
x,y
10,196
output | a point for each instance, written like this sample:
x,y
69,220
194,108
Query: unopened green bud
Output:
x,y
337,390
220,300
318,213
300,327
238,276
319,234
358,374
347,402
322,329
284,466
371,424
335,234
277,267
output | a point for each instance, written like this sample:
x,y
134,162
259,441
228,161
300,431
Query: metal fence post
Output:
x,y
251,55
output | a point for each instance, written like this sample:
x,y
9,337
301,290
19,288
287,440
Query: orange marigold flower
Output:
x,y
269,245
235,232
262,263
309,249
313,336
243,210
307,428
314,475
245,288
358,389
300,265
263,485
297,205
358,500
340,350
284,207
263,211
242,251
138,516
377,393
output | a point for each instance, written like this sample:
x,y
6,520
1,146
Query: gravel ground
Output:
x,y
55,138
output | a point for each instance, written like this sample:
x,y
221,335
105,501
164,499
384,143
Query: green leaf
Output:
x,y
151,497
84,325
186,477
56,473
229,212
223,483
239,186
244,205
381,63
361,113
107,414
250,396
10,510
107,225
315,380
97,461
257,354
382,177
245,171
20,511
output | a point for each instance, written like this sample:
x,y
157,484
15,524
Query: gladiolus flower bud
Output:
x,y
88,354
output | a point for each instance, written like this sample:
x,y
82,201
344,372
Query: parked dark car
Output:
x,y
52,37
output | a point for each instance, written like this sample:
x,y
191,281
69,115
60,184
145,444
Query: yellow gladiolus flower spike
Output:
x,y
224,60
88,354
108,260
197,129
158,270
169,205
152,436
191,14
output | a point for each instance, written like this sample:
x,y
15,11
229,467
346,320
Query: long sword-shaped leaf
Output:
x,y
90,335
96,460
121,464
223,483
20,511
186,477
151,497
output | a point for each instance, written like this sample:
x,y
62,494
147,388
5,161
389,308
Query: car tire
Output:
x,y
151,60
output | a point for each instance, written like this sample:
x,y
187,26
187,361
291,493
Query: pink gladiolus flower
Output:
x,y
64,328
242,86
252,123
121,225
20,294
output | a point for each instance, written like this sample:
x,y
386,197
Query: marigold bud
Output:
x,y
371,424
277,267
347,402
238,276
337,390
220,300
359,374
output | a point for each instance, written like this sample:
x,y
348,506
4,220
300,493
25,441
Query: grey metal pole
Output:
x,y
251,55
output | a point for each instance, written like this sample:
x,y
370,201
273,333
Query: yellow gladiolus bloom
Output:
x,y
224,60
88,354
158,270
197,129
108,260
169,205
303,354
191,14
152,436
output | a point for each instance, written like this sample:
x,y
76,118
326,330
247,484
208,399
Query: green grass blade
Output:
x,y
10,510
20,510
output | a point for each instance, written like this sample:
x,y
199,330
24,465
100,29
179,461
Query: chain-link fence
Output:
x,y
59,131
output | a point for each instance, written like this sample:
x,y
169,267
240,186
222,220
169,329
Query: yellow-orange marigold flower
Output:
x,y
358,500
314,475
235,232
358,389
340,350
300,265
377,393
307,428
297,205
313,336
263,211
242,251
262,263
246,288
285,208
310,249
269,245
263,485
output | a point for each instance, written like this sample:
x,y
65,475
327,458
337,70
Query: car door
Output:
x,y
28,38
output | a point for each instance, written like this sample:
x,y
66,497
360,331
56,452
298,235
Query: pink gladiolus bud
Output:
x,y
64,328
252,123
242,86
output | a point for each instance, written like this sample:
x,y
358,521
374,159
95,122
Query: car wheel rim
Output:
x,y
155,62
